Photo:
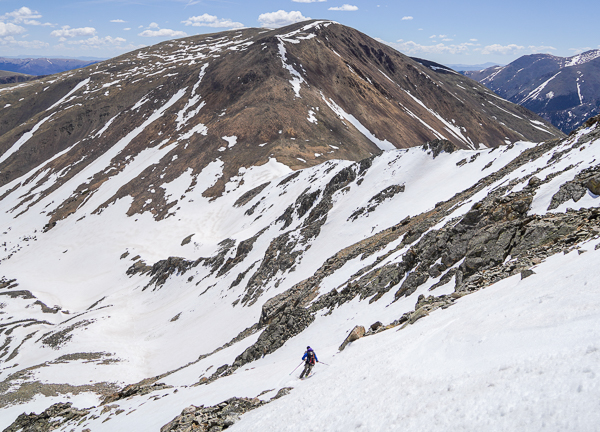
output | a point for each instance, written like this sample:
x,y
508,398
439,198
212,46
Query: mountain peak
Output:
x,y
297,95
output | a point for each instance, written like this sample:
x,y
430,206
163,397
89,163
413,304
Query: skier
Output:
x,y
310,358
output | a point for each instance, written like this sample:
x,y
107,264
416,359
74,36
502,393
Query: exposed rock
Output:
x,y
593,184
250,195
50,419
356,333
568,191
163,269
214,418
134,390
438,146
243,249
526,273
375,326
187,240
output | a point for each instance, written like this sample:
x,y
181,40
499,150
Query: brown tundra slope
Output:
x,y
301,94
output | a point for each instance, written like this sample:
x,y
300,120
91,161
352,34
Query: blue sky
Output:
x,y
449,32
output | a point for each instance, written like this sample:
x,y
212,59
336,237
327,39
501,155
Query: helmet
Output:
x,y
308,348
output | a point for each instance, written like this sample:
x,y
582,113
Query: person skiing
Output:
x,y
310,358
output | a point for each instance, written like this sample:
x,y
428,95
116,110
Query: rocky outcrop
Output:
x,y
356,333
50,419
438,146
134,390
163,269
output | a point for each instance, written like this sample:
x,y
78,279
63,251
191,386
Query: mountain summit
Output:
x,y
300,95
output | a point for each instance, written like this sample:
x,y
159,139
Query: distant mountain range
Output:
x,y
41,66
476,67
7,77
563,90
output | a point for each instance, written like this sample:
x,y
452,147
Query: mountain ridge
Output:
x,y
563,90
233,98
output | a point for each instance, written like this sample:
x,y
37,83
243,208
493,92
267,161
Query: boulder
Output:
x,y
356,333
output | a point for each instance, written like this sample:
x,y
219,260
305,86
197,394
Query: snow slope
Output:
x,y
519,354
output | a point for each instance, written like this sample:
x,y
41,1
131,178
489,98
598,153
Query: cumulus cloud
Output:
x,y
207,20
410,47
154,30
580,50
23,15
9,29
68,32
97,42
118,21
501,49
345,7
10,41
540,49
280,18
407,18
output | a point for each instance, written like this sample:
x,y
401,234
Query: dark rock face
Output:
x,y
134,390
215,418
49,420
438,146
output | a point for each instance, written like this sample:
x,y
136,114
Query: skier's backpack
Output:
x,y
310,357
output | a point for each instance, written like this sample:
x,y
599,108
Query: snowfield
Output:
x,y
82,307
519,355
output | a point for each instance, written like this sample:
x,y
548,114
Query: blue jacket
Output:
x,y
305,356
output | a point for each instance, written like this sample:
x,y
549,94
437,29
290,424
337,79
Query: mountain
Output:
x,y
562,90
475,67
164,249
41,66
299,95
14,77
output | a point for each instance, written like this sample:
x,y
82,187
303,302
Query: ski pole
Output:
x,y
324,363
296,368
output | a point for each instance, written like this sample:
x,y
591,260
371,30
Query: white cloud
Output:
x,y
25,16
153,25
540,49
280,18
407,18
412,48
501,49
580,50
118,21
9,29
473,40
308,1
12,42
127,28
162,33
207,20
68,32
345,7
96,42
